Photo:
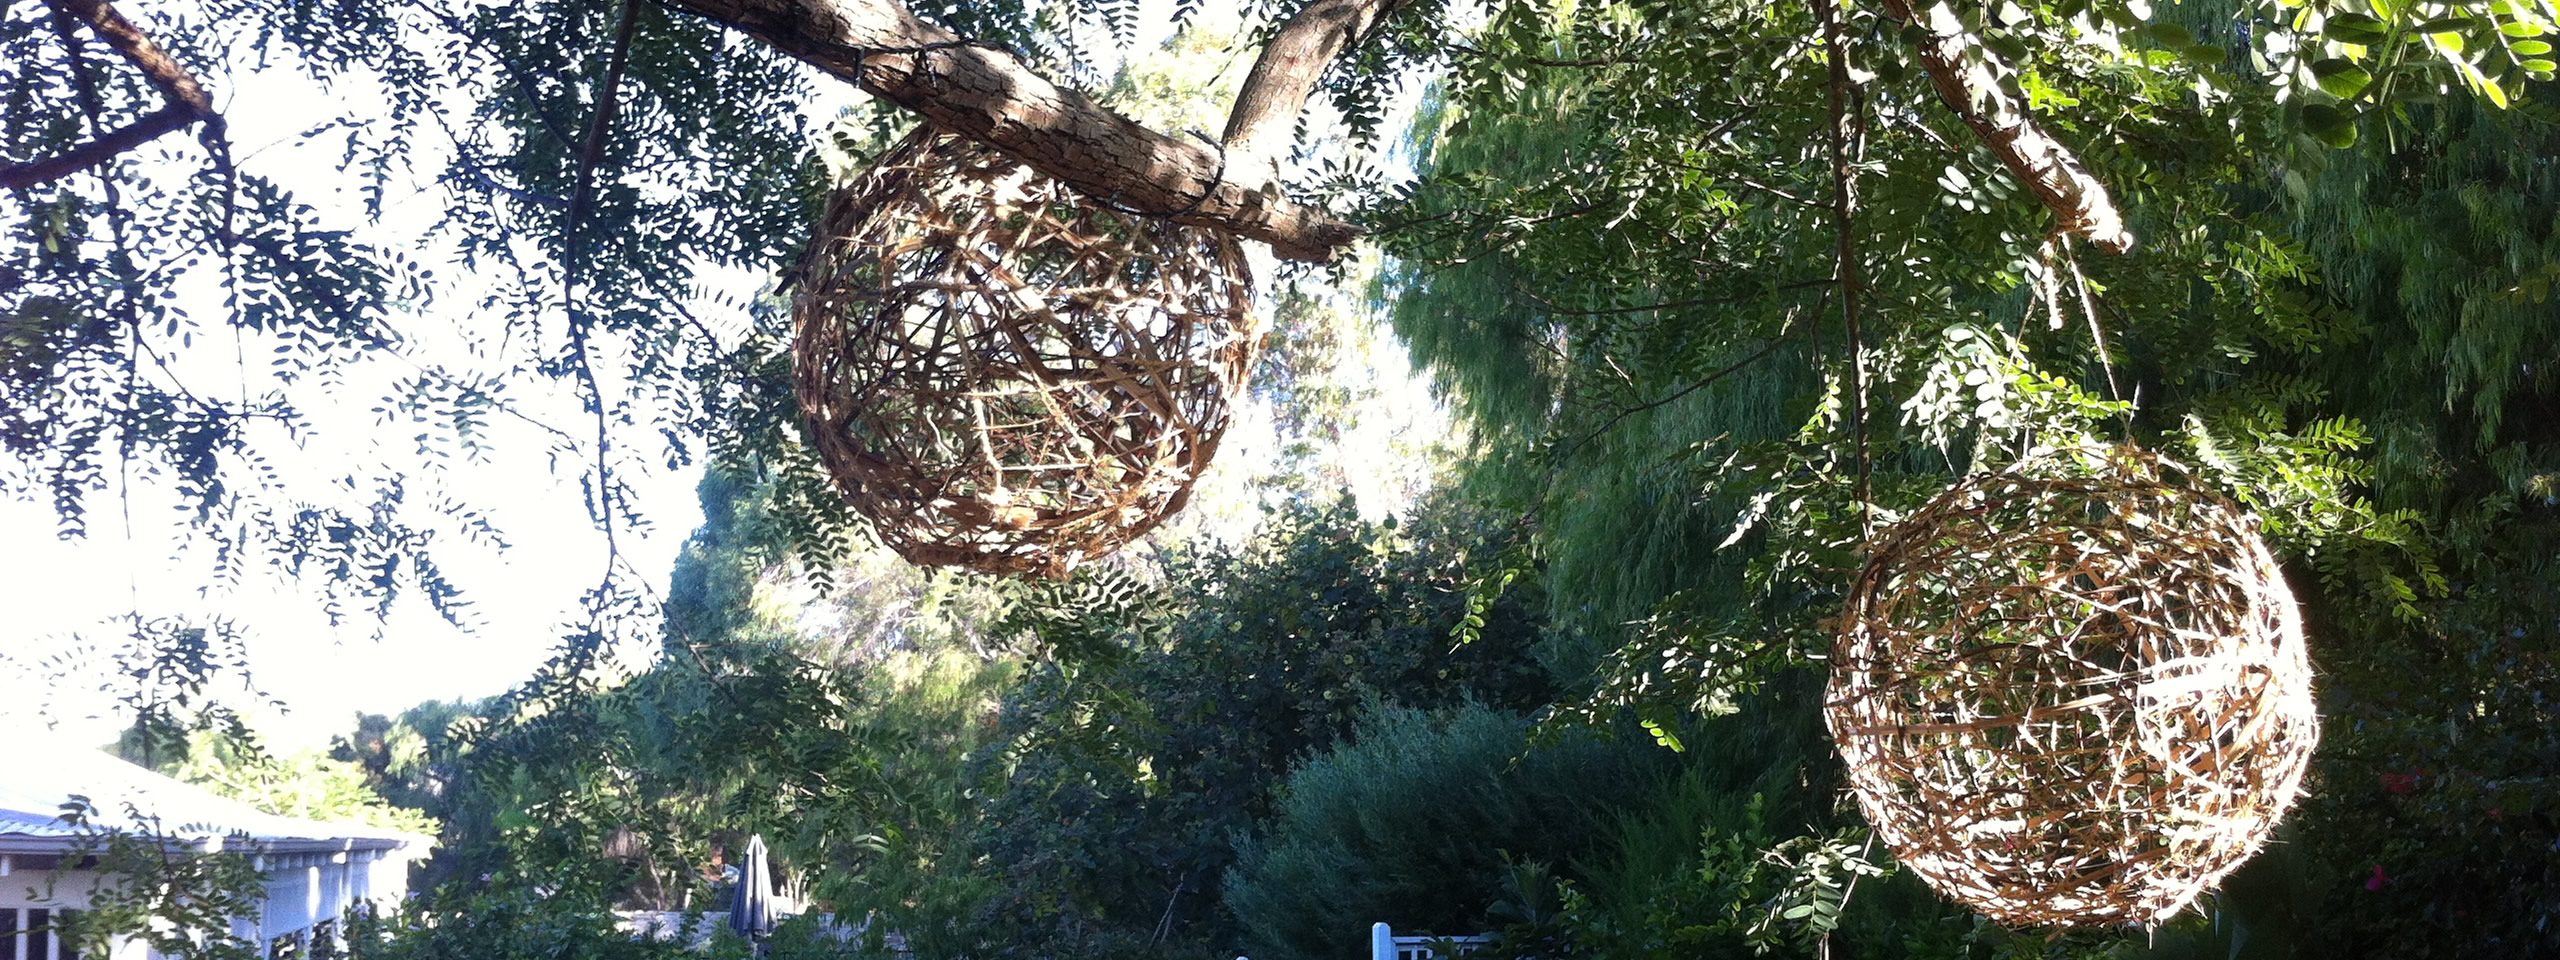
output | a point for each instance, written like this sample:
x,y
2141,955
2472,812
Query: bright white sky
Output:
x,y
59,592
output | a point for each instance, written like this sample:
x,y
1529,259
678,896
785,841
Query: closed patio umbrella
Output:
x,y
751,906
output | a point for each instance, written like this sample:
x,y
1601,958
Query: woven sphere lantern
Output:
x,y
1004,375
2073,699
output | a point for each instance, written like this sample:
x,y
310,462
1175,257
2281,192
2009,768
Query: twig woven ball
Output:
x,y
2073,700
1004,375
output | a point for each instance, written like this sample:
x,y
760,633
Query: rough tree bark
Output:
x,y
2048,168
1265,116
988,96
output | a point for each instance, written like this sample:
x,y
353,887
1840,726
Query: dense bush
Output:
x,y
1124,771
510,922
1416,821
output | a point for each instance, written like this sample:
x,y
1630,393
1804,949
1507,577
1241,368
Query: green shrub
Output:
x,y
1122,768
1417,822
511,923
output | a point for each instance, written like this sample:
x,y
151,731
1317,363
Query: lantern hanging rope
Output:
x,y
1001,373
2073,697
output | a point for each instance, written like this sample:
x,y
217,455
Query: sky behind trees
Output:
x,y
63,590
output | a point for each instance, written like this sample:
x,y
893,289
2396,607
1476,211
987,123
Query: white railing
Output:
x,y
1385,945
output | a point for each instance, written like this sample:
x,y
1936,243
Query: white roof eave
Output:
x,y
44,774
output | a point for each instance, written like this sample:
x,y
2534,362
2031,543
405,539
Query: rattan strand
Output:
x,y
1004,375
2073,697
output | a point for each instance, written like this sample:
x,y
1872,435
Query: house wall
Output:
x,y
25,891
302,889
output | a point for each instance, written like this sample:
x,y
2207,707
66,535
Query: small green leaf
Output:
x,y
2521,28
2171,35
2473,78
2355,28
2529,48
2539,66
2330,125
2204,54
2341,77
2446,25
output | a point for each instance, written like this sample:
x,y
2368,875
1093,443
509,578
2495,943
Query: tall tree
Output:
x,y
1701,273
1708,363
591,155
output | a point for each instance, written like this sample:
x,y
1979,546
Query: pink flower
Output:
x,y
2379,879
2402,783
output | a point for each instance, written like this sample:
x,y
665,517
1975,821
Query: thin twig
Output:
x,y
2089,306
1552,307
1757,185
1701,384
523,82
581,332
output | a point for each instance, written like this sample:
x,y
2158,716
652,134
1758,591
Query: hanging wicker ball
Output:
x,y
1003,374
2074,698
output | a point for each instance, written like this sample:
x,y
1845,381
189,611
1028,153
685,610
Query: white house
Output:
x,y
314,871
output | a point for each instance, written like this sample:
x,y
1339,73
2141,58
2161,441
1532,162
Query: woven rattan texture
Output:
x,y
2073,700
1002,374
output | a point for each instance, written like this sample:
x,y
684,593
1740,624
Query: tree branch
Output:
x,y
1845,110
2047,167
1775,341
172,117
988,96
156,64
608,102
188,102
992,98
1265,115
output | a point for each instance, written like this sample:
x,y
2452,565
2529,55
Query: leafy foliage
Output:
x,y
307,786
841,747
1630,262
1419,817
150,884
1118,782
1605,262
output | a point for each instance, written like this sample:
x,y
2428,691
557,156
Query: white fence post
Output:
x,y
1385,945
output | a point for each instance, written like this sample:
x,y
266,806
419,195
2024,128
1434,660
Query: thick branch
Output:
x,y
188,102
2046,166
172,117
992,98
156,64
1265,116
